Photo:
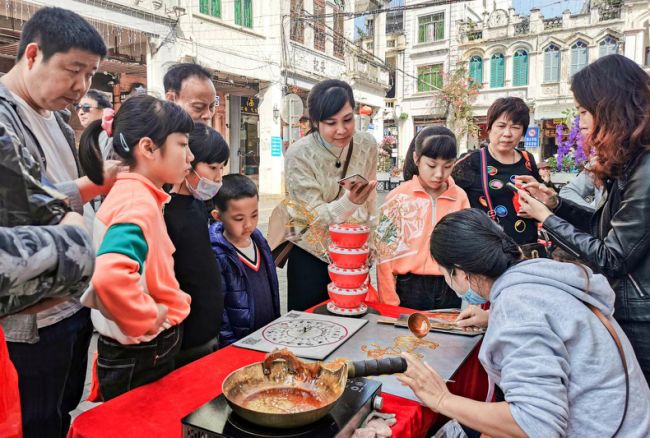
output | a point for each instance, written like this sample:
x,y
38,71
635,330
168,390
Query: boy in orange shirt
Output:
x,y
414,280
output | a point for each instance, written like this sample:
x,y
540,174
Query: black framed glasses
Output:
x,y
85,107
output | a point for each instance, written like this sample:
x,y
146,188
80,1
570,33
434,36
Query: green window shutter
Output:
x,y
203,6
520,69
547,66
238,12
441,30
501,71
248,13
215,8
496,70
575,59
422,33
555,69
126,239
476,69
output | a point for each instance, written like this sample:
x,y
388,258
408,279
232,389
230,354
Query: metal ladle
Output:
x,y
419,325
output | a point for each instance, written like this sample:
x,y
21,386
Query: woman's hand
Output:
x,y
543,193
425,382
359,193
531,207
473,319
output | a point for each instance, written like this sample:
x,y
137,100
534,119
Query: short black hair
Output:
x,y
58,30
326,99
100,98
235,186
514,108
208,146
173,80
437,142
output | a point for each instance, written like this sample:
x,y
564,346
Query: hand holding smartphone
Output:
x,y
352,181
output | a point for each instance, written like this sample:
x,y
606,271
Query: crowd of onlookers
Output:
x,y
136,233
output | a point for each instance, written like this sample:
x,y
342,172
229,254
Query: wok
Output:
x,y
284,392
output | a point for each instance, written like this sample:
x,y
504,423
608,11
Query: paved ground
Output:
x,y
266,206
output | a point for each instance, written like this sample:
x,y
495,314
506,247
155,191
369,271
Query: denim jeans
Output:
x,y
51,374
121,368
425,292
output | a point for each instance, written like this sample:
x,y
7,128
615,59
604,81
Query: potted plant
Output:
x,y
384,165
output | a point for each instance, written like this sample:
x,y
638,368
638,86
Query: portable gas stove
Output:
x,y
216,419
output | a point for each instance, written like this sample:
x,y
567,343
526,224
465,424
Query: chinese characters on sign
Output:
x,y
276,147
319,67
250,105
532,138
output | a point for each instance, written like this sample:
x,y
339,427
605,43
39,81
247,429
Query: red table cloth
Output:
x,y
157,409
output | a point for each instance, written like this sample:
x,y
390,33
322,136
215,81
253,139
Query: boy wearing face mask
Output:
x,y
196,269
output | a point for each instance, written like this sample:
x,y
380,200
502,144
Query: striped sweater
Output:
x,y
134,268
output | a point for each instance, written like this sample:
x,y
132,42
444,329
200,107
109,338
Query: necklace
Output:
x,y
338,159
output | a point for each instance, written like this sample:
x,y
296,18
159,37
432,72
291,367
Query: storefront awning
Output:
x,y
551,111
109,65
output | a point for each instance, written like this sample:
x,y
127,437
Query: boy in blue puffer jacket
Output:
x,y
248,277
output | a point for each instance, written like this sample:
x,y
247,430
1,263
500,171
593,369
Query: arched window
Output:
x,y
552,64
608,46
520,69
497,68
578,57
476,69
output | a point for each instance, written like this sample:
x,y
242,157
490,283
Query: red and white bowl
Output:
x,y
349,235
350,258
347,298
348,278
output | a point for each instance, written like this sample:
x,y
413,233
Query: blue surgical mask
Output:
x,y
471,296
205,189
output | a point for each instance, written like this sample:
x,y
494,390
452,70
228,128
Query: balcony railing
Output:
x,y
475,35
368,71
610,13
522,28
553,23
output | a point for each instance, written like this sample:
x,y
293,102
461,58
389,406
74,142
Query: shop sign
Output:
x,y
216,100
532,138
250,105
276,147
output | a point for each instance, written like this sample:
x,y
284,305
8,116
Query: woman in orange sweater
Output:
x,y
412,278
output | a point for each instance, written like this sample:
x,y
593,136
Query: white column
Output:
x,y
271,167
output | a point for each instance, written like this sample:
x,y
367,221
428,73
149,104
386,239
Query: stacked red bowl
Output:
x,y
348,271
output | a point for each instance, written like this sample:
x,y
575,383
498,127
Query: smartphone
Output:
x,y
513,187
348,182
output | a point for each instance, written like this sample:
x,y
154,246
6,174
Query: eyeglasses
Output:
x,y
85,107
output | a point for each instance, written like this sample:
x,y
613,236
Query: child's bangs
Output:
x,y
441,147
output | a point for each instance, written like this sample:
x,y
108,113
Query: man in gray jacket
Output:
x,y
58,55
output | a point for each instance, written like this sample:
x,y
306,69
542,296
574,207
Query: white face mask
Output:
x,y
205,189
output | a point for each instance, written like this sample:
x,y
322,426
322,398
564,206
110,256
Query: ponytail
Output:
x,y
90,154
410,166
436,142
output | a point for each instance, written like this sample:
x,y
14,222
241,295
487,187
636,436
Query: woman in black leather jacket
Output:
x,y
613,98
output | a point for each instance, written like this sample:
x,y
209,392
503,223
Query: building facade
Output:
x,y
534,58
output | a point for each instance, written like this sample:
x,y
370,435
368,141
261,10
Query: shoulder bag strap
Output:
x,y
484,184
612,332
345,166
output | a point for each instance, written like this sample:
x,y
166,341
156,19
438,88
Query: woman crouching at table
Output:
x,y
559,367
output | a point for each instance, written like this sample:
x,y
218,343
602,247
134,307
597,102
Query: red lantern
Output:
x,y
365,110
